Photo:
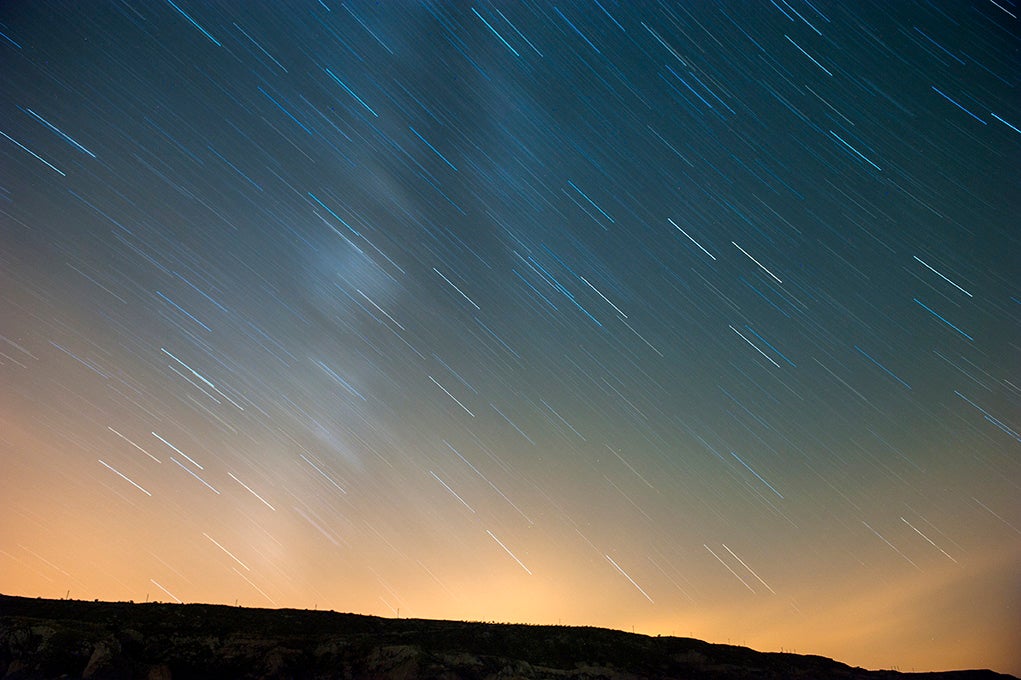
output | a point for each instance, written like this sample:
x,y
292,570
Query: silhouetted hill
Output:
x,y
69,638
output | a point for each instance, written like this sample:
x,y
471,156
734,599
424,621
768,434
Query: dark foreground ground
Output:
x,y
75,639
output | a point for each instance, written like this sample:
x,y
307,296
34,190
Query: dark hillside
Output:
x,y
67,638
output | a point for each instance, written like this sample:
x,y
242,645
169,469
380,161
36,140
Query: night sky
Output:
x,y
688,318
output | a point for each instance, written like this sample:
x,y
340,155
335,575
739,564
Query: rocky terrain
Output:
x,y
75,639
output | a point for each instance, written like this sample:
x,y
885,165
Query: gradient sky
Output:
x,y
687,318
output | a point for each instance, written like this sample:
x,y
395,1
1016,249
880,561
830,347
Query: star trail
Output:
x,y
690,318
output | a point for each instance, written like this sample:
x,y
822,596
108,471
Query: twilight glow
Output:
x,y
688,318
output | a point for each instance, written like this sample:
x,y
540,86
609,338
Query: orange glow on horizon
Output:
x,y
936,620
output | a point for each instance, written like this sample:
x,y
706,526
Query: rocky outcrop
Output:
x,y
106,641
